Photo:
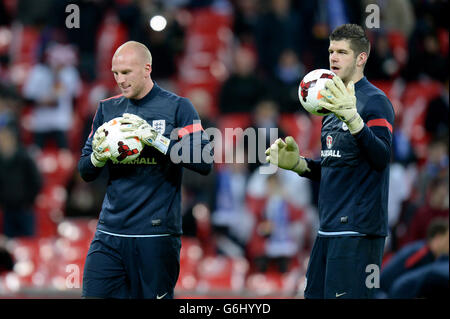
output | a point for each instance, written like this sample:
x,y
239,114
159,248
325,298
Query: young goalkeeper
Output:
x,y
354,178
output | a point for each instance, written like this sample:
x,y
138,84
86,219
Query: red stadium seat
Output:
x,y
207,41
26,41
234,120
273,283
443,35
265,284
110,36
305,130
219,274
415,101
190,255
55,165
399,46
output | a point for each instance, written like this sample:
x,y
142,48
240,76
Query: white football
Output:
x,y
123,150
309,90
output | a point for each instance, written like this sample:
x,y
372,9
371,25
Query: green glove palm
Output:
x,y
341,101
285,154
100,148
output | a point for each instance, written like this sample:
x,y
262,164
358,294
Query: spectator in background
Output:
x,y
429,282
425,60
20,183
265,117
243,89
6,259
320,17
395,16
382,64
34,13
52,87
245,20
431,17
436,205
278,228
436,118
432,62
288,73
400,185
277,30
85,199
84,38
199,187
5,18
231,219
416,255
435,167
10,106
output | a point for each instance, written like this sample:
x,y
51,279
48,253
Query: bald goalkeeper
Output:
x,y
135,252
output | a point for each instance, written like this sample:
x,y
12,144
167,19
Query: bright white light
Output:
x,y
158,23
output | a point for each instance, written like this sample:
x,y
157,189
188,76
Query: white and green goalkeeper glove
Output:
x,y
341,101
100,148
285,154
134,125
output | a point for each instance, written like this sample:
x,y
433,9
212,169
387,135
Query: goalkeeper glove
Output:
x,y
286,155
137,126
100,148
341,101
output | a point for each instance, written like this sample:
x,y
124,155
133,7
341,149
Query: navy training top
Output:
x,y
354,170
144,196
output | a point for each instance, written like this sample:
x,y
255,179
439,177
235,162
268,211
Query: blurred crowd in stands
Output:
x,y
240,63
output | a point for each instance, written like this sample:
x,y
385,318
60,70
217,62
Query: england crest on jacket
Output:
x,y
159,126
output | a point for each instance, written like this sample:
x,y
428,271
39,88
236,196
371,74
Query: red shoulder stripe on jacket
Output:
x,y
112,97
189,129
380,122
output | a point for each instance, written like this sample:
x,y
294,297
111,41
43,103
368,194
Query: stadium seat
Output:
x,y
221,274
443,35
415,99
234,120
190,255
110,36
26,42
305,130
398,43
55,165
273,283
208,39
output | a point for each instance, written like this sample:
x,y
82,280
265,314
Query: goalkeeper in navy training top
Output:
x,y
353,172
135,252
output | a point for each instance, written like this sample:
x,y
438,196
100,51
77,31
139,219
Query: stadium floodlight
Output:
x,y
158,23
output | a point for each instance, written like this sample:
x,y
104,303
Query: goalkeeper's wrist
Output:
x,y
355,124
96,162
301,166
160,142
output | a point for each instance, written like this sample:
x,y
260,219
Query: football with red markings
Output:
x,y
309,90
123,149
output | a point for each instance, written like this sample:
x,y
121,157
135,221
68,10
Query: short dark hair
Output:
x,y
355,34
438,226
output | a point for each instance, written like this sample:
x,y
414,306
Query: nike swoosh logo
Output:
x,y
339,295
161,297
